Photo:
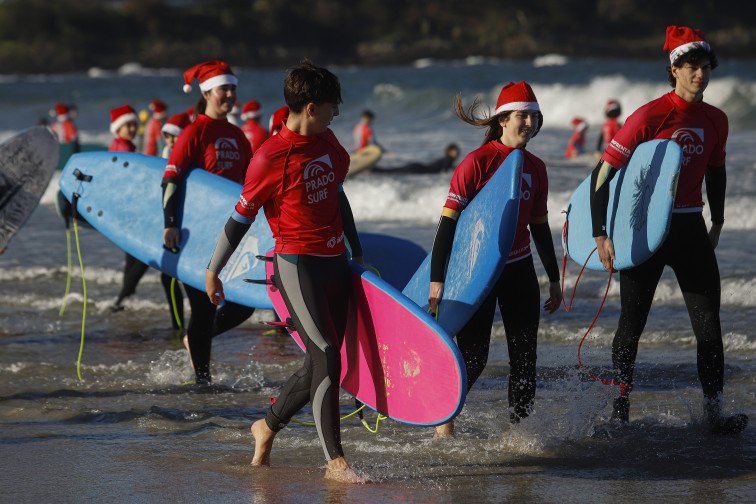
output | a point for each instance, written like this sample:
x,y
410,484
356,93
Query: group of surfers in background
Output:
x,y
311,235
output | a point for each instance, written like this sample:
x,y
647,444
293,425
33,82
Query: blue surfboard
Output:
x,y
119,194
482,242
27,162
641,196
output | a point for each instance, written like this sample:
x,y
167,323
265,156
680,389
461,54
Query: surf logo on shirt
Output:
x,y
226,153
691,140
318,174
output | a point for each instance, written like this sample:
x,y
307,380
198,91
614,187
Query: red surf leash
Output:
x,y
624,389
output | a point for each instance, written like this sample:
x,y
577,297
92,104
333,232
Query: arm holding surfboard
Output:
x,y
600,178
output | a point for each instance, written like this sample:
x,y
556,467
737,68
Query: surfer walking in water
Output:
x,y
517,119
296,177
701,130
211,143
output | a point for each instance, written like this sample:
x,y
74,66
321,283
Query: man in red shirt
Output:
x,y
252,129
296,178
701,130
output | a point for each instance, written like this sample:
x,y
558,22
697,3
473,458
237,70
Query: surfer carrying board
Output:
x,y
296,177
211,143
701,130
516,120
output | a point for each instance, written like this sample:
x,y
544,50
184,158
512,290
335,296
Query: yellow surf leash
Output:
x,y
173,304
84,310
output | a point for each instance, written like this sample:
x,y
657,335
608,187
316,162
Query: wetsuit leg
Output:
x,y
167,280
637,287
474,339
695,265
316,292
133,271
199,332
519,302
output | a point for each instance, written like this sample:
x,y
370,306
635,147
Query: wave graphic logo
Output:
x,y
475,243
317,167
686,136
226,144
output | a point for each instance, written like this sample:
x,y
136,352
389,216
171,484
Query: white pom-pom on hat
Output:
x,y
187,88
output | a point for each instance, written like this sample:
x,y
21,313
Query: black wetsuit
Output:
x,y
688,251
206,322
518,296
133,271
316,292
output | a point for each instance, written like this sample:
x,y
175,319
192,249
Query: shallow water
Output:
x,y
132,430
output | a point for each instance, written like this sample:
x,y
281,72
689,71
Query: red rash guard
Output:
x,y
214,145
296,178
699,128
480,165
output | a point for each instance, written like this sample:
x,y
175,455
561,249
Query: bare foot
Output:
x,y
444,430
263,443
339,470
186,345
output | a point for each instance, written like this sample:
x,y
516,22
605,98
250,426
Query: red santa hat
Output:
x,y
277,119
579,123
176,124
120,116
518,96
60,111
681,40
611,106
251,110
158,108
211,74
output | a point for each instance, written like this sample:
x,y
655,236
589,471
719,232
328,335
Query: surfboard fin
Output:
x,y
288,324
267,281
257,281
264,258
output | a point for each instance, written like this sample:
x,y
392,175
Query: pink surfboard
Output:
x,y
396,359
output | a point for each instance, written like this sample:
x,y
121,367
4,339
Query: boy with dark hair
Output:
x,y
701,130
296,178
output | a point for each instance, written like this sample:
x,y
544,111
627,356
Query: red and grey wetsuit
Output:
x,y
701,130
296,179
517,288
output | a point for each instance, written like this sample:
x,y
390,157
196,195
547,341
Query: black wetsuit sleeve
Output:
x,y
600,178
541,234
350,228
170,202
716,185
230,237
442,246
